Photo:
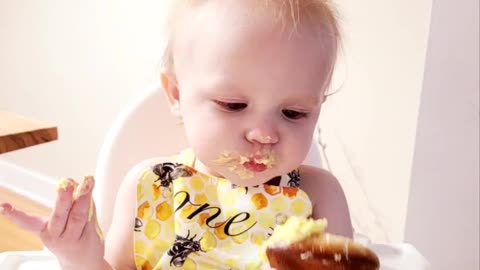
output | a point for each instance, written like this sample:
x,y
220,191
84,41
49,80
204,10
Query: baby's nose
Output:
x,y
263,136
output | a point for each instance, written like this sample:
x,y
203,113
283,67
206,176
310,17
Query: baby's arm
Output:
x,y
119,241
328,199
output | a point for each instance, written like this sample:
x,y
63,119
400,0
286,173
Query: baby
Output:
x,y
247,78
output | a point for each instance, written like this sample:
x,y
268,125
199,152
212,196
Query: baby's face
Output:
x,y
250,93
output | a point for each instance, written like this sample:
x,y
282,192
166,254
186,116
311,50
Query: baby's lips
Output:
x,y
256,167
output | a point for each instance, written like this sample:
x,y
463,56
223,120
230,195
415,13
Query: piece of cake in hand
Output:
x,y
303,244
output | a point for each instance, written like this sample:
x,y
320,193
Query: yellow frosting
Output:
x,y
242,172
64,183
294,230
236,162
225,158
268,159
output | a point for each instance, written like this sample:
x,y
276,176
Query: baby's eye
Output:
x,y
231,106
291,114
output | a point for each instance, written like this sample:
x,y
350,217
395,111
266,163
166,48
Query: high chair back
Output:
x,y
144,129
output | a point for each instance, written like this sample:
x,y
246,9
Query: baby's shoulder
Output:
x,y
311,175
328,199
317,181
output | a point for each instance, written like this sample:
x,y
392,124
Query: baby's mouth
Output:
x,y
246,167
255,167
259,162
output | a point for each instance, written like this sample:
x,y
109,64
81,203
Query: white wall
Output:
x,y
369,125
75,64
443,210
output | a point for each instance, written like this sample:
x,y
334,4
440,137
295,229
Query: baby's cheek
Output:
x,y
211,139
295,152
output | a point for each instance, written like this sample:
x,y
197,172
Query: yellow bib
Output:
x,y
190,220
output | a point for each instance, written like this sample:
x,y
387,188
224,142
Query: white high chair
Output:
x,y
145,129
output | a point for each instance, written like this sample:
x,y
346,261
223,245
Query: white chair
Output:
x,y
144,129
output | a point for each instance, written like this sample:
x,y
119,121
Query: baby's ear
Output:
x,y
170,88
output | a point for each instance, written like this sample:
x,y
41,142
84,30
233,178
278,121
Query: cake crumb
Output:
x,y
337,257
306,255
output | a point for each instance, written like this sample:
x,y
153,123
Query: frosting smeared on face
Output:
x,y
246,167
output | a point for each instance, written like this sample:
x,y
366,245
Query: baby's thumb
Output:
x,y
26,221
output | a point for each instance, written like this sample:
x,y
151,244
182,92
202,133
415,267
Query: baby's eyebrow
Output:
x,y
215,82
223,87
311,101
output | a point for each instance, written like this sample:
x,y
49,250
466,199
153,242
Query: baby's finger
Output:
x,y
63,204
92,229
78,216
26,221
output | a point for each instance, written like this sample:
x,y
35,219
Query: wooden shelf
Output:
x,y
17,132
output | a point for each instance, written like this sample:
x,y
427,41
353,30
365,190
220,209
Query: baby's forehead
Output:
x,y
232,22
206,31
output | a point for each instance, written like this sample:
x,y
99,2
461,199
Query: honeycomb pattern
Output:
x,y
229,224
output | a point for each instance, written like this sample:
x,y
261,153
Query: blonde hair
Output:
x,y
317,14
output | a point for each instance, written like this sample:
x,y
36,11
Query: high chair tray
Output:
x,y
28,260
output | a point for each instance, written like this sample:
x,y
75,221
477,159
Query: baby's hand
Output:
x,y
71,231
